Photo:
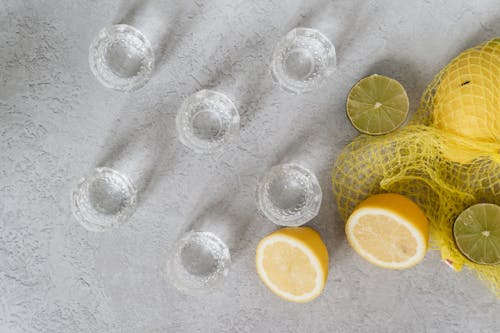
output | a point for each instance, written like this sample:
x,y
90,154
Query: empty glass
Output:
x,y
200,261
302,60
108,196
206,121
289,195
104,199
201,257
121,57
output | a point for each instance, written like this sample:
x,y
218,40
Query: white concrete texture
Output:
x,y
57,122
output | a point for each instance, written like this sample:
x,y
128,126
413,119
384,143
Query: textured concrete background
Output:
x,y
57,122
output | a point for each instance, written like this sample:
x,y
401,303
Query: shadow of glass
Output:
x,y
489,30
136,150
322,16
158,21
218,218
251,89
311,151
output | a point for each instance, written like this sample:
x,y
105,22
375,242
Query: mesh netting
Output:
x,y
446,159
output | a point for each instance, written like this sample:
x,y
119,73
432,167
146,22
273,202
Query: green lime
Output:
x,y
477,233
377,105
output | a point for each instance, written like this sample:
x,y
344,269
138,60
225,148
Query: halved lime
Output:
x,y
477,233
377,105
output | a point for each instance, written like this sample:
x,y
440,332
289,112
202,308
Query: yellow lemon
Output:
x,y
388,230
467,100
293,263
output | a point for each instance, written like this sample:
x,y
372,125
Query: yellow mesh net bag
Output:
x,y
446,159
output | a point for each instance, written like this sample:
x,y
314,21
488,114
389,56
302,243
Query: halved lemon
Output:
x,y
293,263
389,230
377,105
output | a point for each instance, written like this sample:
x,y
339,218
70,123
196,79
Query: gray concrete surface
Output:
x,y
57,122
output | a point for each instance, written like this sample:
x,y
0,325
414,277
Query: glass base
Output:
x,y
303,60
289,195
104,200
206,121
199,262
121,58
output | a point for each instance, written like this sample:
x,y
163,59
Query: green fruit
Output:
x,y
477,233
377,105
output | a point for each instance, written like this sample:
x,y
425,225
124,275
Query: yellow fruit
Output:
x,y
467,99
388,230
293,263
463,151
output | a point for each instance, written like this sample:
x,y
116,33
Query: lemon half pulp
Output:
x,y
293,263
389,230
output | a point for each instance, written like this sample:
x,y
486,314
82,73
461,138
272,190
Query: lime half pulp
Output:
x,y
377,105
477,233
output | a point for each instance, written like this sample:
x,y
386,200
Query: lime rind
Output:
x,y
377,105
477,233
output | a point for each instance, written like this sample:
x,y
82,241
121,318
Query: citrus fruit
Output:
x,y
377,105
467,101
462,150
467,98
477,233
389,230
293,263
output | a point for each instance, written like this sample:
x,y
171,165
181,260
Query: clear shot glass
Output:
x,y
108,195
302,60
201,257
206,121
289,195
121,57
103,200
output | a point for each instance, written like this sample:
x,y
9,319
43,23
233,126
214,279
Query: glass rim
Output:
x,y
173,265
199,145
298,86
88,220
99,71
290,221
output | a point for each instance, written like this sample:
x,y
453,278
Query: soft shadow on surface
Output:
x,y
136,149
311,151
306,17
158,21
217,215
259,84
244,74
322,16
248,89
255,89
346,29
307,149
489,30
